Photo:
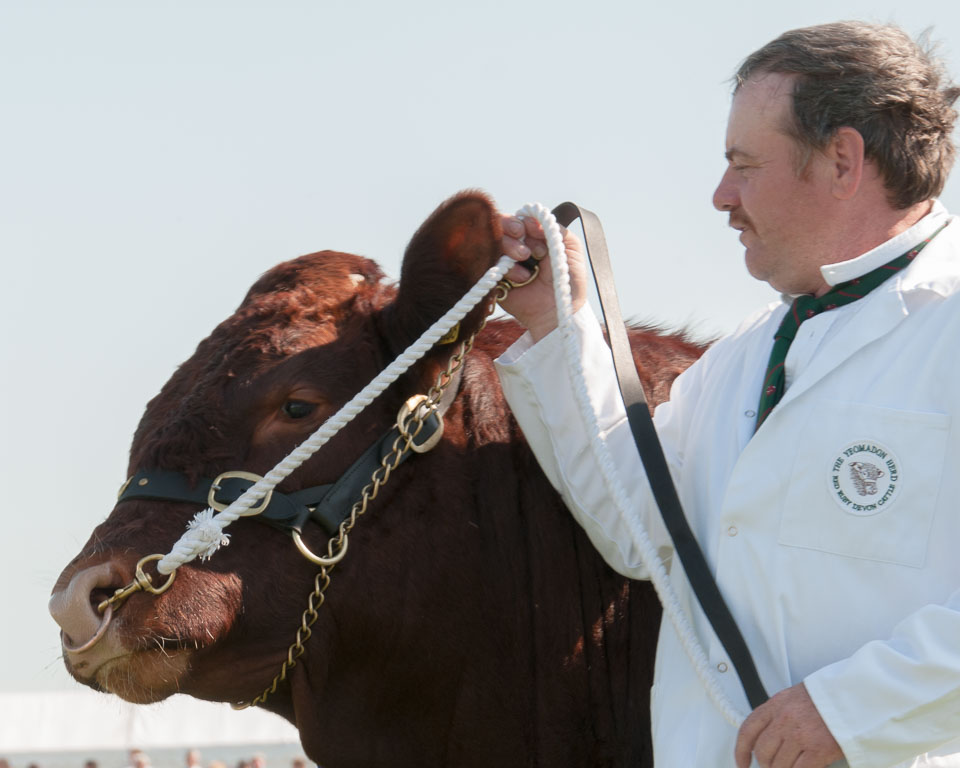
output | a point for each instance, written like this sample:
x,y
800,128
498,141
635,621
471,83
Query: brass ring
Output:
x,y
407,412
326,562
515,284
144,580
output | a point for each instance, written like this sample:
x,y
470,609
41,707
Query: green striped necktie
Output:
x,y
804,307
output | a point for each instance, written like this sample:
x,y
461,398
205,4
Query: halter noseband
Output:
x,y
327,505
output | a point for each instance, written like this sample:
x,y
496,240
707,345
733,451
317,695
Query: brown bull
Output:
x,y
471,623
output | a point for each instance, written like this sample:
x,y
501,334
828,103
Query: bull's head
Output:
x,y
308,336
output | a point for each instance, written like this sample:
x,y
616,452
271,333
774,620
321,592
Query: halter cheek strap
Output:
x,y
327,505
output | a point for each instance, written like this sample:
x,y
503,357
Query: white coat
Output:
x,y
833,532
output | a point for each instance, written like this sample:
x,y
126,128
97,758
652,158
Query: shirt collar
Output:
x,y
842,271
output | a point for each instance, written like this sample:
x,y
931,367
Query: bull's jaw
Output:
x,y
138,676
143,677
99,648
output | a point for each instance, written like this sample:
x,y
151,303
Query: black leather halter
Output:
x,y
327,505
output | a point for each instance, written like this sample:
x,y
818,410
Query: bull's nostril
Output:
x,y
75,607
72,647
98,595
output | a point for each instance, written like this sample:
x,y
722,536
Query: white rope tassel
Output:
x,y
204,534
648,554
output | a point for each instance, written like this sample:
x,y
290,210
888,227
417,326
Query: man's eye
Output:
x,y
298,409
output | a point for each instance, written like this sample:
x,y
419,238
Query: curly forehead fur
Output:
x,y
298,305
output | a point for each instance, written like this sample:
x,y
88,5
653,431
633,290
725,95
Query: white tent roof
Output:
x,y
86,720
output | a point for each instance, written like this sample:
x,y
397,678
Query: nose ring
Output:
x,y
101,630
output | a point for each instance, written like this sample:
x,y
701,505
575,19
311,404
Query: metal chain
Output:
x,y
336,547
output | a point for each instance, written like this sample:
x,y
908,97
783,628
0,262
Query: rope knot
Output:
x,y
207,534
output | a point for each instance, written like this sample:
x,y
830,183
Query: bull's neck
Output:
x,y
485,630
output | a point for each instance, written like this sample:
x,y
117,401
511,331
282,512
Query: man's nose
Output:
x,y
726,196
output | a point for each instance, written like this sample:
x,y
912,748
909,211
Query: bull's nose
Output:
x,y
74,610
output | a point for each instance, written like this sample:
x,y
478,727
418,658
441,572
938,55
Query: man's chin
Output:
x,y
756,265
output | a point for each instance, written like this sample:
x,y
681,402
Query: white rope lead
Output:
x,y
639,538
204,534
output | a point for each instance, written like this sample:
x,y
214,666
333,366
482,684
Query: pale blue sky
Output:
x,y
155,158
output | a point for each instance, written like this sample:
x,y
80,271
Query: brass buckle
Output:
x,y
124,487
220,506
450,336
407,411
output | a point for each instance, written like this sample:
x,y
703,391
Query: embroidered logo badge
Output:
x,y
864,478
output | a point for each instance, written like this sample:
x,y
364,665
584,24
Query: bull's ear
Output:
x,y
445,258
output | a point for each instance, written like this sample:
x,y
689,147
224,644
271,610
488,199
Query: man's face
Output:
x,y
778,213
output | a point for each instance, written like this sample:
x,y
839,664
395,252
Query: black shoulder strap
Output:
x,y
654,462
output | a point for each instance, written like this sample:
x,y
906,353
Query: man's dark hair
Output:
x,y
877,80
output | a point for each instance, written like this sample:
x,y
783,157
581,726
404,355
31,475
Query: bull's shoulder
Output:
x,y
660,354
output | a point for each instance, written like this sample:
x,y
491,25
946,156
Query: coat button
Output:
x,y
732,530
722,667
749,414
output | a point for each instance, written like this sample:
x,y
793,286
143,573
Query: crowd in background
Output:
x,y
137,758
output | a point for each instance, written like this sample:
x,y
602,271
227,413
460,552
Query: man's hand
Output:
x,y
533,305
787,732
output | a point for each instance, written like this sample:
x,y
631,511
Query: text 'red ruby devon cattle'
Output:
x,y
471,623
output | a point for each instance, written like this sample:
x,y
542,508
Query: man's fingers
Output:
x,y
521,240
750,731
809,760
526,233
518,274
513,227
767,748
515,249
787,732
538,248
532,228
743,753
786,756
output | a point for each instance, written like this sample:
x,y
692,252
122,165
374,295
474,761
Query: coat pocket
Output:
x,y
865,482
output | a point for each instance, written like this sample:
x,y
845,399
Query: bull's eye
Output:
x,y
298,409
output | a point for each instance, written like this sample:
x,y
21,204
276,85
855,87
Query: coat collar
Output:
x,y
937,268
934,275
842,271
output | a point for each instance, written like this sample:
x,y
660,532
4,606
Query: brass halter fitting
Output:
x,y
141,582
412,413
533,276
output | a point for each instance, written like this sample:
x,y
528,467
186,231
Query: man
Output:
x,y
818,469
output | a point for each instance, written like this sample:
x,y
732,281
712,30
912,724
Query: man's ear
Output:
x,y
846,154
447,255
